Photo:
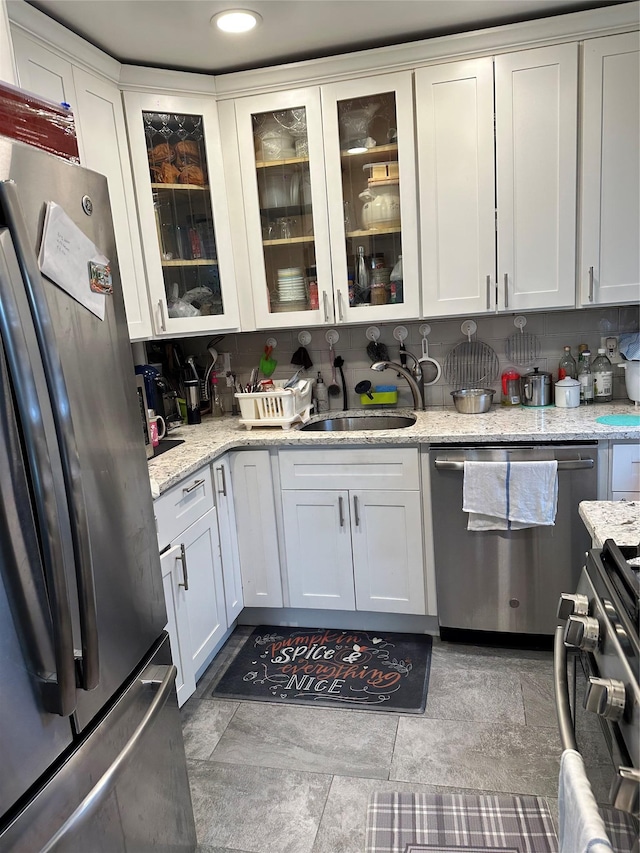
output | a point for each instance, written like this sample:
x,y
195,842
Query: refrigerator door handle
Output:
x,y
27,261
59,691
154,674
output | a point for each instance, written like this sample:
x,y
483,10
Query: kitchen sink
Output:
x,y
357,422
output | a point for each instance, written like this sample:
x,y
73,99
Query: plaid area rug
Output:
x,y
482,823
377,671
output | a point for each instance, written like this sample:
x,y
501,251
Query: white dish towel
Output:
x,y
510,495
581,827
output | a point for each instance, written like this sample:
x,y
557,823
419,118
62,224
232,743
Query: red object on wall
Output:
x,y
44,124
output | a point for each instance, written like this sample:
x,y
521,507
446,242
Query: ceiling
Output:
x,y
177,34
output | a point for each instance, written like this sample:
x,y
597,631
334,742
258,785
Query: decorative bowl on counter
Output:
x,y
473,401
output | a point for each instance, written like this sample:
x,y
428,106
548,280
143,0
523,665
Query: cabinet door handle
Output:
x,y
341,511
355,511
506,290
325,305
185,572
340,310
163,322
590,284
224,481
193,486
488,292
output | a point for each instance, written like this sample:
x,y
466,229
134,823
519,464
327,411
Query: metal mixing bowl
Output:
x,y
473,401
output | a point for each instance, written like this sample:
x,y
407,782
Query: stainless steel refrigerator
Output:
x,y
91,750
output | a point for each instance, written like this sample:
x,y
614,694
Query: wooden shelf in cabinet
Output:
x,y
375,232
196,187
373,154
286,242
290,161
196,262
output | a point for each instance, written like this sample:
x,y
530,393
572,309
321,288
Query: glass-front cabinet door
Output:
x,y
371,187
178,171
282,168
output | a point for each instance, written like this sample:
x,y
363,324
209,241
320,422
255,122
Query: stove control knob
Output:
x,y
625,791
570,605
605,697
582,632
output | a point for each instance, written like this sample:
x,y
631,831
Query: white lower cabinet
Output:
x,y
625,472
192,577
233,597
353,548
253,499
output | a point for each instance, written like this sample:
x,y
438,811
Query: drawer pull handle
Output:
x,y
355,510
185,572
506,290
341,511
224,481
193,486
163,322
488,292
340,310
590,284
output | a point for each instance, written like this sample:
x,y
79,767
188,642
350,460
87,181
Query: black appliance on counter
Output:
x,y
160,396
597,682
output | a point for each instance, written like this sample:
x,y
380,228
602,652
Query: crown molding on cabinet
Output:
x,y
510,37
62,41
141,79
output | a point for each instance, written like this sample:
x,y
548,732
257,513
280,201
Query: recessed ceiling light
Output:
x,y
236,20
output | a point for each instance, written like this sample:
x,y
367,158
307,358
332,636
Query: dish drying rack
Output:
x,y
281,407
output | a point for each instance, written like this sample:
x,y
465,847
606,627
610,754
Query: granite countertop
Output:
x,y
619,520
215,436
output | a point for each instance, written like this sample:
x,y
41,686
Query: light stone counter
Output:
x,y
215,436
618,520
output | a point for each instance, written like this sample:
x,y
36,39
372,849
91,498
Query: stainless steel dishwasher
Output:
x,y
508,581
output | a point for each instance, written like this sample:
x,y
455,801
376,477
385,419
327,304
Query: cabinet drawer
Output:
x,y
182,505
366,468
625,468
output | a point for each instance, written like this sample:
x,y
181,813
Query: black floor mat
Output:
x,y
374,670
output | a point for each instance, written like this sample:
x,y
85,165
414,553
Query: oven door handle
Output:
x,y
563,464
561,687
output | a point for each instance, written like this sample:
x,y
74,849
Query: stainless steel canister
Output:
x,y
536,388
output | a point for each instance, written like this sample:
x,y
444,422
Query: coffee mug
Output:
x,y
157,428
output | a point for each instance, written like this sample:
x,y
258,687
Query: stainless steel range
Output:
x,y
597,690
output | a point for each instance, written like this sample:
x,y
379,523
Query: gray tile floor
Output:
x,y
288,779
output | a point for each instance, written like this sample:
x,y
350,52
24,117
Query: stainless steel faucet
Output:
x,y
418,402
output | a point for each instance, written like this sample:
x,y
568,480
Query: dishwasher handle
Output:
x,y
563,464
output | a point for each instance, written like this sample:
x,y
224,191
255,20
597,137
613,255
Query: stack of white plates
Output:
x,y
291,285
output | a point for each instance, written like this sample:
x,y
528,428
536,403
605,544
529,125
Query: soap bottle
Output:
x,y
322,395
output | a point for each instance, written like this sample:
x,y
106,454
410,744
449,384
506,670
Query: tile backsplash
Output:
x,y
553,329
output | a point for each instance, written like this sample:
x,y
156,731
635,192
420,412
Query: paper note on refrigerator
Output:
x,y
65,255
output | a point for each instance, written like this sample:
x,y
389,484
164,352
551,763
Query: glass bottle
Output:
x,y
567,366
217,409
362,273
395,282
602,378
586,378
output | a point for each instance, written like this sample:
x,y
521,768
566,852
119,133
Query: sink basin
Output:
x,y
354,422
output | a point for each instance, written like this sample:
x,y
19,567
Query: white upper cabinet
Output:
x,y
285,207
186,236
457,182
371,190
609,270
327,173
102,143
525,206
536,165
